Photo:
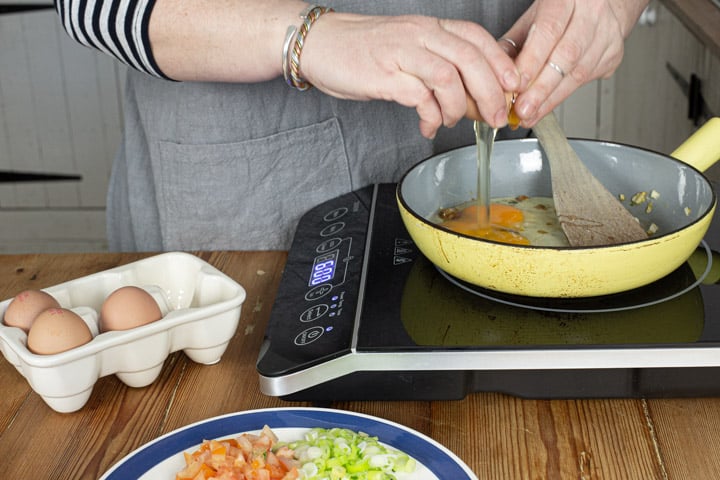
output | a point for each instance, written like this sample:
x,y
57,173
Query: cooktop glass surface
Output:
x,y
409,304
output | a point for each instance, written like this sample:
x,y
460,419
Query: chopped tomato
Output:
x,y
247,457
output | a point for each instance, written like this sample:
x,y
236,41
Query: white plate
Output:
x,y
162,458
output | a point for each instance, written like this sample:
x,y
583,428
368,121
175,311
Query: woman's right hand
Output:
x,y
420,62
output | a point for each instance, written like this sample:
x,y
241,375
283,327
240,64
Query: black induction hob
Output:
x,y
361,314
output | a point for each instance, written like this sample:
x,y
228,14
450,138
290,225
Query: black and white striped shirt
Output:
x,y
116,27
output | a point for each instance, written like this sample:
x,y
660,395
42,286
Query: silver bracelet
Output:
x,y
289,36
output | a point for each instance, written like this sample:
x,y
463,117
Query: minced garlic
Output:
x,y
638,198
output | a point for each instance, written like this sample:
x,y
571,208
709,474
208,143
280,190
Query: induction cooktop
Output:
x,y
361,314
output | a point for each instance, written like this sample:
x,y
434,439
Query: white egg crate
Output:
x,y
201,310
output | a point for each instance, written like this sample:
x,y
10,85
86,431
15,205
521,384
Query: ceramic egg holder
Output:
x,y
201,310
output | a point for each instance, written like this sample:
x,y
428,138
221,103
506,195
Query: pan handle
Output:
x,y
702,149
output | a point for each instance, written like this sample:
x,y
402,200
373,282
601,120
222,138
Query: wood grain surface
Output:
x,y
498,436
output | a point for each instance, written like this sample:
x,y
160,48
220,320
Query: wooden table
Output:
x,y
497,435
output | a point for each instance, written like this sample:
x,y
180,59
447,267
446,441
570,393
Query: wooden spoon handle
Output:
x,y
589,214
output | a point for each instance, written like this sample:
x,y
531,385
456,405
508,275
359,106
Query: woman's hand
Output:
x,y
565,44
420,62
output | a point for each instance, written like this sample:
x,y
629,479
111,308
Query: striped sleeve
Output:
x,y
115,27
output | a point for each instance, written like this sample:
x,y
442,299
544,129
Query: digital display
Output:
x,y
323,270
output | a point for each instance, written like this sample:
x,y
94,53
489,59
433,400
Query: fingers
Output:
x,y
482,67
545,26
565,44
609,60
420,62
459,59
564,70
412,92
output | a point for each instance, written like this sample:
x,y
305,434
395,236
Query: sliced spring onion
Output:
x,y
342,454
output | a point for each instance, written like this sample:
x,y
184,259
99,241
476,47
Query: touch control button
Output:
x,y
314,312
332,229
318,292
335,214
328,245
308,336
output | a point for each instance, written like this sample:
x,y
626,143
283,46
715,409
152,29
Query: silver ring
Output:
x,y
511,42
557,68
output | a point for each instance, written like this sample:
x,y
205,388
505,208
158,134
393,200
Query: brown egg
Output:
x,y
57,330
128,307
26,306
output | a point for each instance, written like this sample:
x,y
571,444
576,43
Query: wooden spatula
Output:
x,y
589,214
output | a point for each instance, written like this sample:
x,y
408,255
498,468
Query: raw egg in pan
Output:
x,y
515,220
504,227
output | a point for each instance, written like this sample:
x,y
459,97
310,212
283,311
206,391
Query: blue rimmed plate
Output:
x,y
162,458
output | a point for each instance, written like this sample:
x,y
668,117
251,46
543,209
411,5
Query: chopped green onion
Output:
x,y
342,454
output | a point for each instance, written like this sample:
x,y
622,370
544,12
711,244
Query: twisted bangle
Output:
x,y
291,59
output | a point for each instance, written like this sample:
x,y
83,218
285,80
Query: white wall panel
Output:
x,y
52,130
60,112
16,98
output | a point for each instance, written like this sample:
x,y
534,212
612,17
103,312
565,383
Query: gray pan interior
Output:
x,y
518,167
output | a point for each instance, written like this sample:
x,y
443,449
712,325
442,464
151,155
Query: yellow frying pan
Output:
x,y
682,212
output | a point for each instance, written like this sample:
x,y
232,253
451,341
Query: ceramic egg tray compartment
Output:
x,y
201,310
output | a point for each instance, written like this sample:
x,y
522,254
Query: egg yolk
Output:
x,y
505,221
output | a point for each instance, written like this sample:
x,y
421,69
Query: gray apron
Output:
x,y
218,166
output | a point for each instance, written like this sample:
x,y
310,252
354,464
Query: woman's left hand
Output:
x,y
565,44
